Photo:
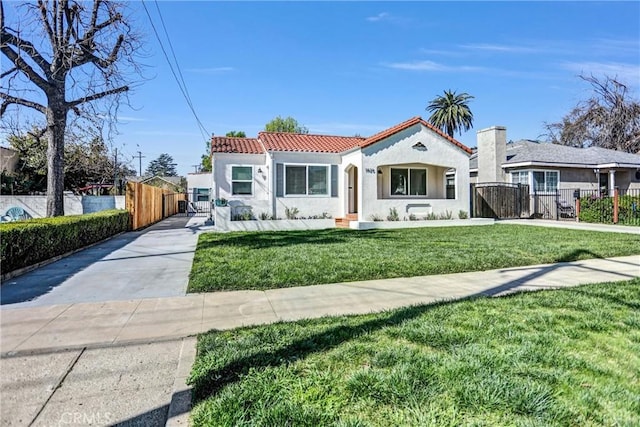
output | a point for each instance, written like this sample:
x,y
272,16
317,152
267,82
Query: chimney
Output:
x,y
492,153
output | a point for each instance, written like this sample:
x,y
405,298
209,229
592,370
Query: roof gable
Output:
x,y
407,124
310,143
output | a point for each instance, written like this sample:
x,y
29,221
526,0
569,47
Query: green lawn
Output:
x,y
265,260
567,358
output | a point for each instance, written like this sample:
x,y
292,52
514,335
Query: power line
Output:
x,y
182,85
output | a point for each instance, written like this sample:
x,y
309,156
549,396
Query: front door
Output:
x,y
353,190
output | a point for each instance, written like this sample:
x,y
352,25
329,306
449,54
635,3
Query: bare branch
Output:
x,y
69,14
6,73
610,118
23,66
28,48
97,96
94,14
8,100
45,21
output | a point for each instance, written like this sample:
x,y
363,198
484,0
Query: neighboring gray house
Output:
x,y
548,167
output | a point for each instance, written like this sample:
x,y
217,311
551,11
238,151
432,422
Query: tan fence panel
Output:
x,y
146,204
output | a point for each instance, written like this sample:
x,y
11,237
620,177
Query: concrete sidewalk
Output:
x,y
80,325
125,362
573,225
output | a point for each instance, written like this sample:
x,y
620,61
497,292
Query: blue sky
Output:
x,y
360,67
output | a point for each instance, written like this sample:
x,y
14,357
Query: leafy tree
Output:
x,y
65,55
86,163
287,125
236,134
610,118
162,166
205,163
451,112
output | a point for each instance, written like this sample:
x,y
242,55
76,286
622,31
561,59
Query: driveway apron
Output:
x,y
151,263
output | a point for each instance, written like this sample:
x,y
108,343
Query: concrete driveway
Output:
x,y
151,263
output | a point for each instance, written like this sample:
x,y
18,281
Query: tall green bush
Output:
x,y
25,243
600,210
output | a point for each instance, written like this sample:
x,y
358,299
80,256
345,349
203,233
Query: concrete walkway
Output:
x,y
154,262
124,361
628,229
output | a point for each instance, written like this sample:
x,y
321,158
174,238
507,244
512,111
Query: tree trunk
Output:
x,y
56,125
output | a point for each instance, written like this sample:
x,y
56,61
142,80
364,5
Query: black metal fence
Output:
x,y
502,200
615,207
189,204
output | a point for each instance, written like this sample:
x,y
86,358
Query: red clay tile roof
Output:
x,y
223,144
404,125
278,141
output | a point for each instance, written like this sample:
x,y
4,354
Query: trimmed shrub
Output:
x,y
600,210
28,242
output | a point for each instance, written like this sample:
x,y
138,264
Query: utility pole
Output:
x,y
196,167
140,156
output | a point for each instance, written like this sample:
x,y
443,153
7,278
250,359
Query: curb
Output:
x,y
180,406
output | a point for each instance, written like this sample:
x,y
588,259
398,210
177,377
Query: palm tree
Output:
x,y
451,112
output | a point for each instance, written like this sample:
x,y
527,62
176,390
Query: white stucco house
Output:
x,y
412,167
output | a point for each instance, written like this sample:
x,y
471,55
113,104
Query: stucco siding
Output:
x,y
414,146
199,180
222,168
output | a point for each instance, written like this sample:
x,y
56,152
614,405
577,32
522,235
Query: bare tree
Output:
x,y
60,50
610,118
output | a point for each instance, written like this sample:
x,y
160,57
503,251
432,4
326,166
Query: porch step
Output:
x,y
342,223
352,217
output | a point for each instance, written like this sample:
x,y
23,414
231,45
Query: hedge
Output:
x,y
26,243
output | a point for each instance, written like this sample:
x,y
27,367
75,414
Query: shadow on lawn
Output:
x,y
302,347
633,305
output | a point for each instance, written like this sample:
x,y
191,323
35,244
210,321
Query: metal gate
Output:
x,y
189,204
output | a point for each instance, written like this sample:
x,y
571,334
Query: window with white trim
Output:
x,y
201,194
545,181
520,177
312,180
408,182
242,180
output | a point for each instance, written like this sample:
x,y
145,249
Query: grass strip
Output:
x,y
267,260
564,357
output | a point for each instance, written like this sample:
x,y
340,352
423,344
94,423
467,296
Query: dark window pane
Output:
x,y
296,179
241,173
318,180
418,185
241,188
399,182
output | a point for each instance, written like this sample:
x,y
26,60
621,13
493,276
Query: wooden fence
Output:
x,y
147,204
500,200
